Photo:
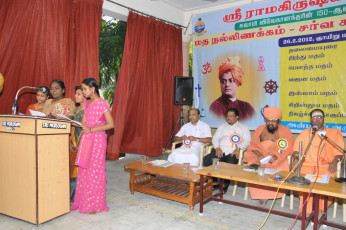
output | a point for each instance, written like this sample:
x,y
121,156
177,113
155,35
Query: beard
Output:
x,y
271,129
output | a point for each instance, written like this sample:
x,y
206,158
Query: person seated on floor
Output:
x,y
322,157
193,135
271,139
229,138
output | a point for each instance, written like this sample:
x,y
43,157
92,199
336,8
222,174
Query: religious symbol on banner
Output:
x,y
271,87
206,68
282,144
261,64
235,139
198,88
262,110
187,143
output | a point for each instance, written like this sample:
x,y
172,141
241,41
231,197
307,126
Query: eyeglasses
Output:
x,y
317,117
270,120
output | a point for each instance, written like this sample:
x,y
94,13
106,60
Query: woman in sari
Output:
x,y
76,133
41,97
59,104
90,194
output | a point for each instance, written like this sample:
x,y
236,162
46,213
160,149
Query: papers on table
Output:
x,y
271,171
265,160
37,113
161,163
266,170
323,179
65,117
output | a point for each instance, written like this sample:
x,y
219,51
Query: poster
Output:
x,y
288,54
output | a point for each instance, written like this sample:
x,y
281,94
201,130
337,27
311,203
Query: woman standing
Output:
x,y
76,133
59,104
90,194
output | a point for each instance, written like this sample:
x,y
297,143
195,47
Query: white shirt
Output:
x,y
223,133
200,130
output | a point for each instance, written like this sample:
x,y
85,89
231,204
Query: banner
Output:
x,y
288,54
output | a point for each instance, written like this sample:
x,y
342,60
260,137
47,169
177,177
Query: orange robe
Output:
x,y
267,148
322,150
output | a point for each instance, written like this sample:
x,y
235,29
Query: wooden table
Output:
x,y
236,173
150,181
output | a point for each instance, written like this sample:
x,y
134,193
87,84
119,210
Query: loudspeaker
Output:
x,y
183,90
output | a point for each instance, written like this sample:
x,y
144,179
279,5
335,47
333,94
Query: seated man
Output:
x,y
229,138
271,139
197,132
322,156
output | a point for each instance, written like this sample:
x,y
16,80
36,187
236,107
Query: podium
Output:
x,y
34,168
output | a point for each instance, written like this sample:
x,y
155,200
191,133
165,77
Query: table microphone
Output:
x,y
314,129
15,104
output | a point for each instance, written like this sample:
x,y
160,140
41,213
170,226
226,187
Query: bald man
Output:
x,y
194,133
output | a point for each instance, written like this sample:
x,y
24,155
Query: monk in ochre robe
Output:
x,y
322,156
271,139
231,76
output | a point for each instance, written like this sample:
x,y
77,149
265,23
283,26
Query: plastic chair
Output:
x,y
240,162
205,150
289,158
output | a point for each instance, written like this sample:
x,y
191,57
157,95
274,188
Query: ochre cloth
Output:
x,y
220,106
272,113
232,64
267,148
322,150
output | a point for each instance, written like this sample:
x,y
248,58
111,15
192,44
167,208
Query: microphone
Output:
x,y
43,89
322,133
314,129
15,104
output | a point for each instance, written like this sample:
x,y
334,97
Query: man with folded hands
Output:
x,y
274,141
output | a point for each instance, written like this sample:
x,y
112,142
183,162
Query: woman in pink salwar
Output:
x,y
90,196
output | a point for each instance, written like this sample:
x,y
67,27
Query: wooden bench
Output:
x,y
154,180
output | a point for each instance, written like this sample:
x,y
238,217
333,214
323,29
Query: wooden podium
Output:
x,y
34,168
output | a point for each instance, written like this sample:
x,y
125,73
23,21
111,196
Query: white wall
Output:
x,y
163,11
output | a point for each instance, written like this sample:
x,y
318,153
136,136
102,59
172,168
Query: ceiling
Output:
x,y
189,5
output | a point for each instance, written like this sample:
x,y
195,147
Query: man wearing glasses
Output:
x,y
322,156
270,145
229,138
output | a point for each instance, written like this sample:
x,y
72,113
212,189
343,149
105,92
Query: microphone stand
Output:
x,y
181,120
15,104
299,180
341,179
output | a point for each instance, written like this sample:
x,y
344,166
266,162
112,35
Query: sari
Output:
x,y
91,181
76,133
64,106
